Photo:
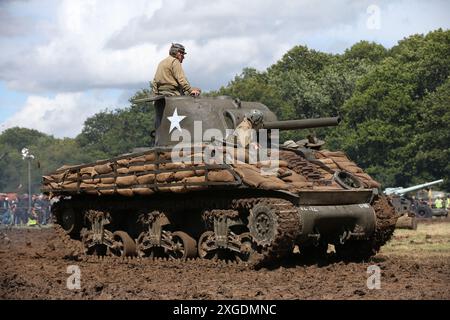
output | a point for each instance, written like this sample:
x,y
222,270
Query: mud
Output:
x,y
34,262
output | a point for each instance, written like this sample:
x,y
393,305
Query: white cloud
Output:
x,y
81,45
62,115
117,44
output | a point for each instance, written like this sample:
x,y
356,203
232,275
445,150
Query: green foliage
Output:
x,y
396,122
110,133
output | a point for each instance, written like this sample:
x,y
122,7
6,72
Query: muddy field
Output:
x,y
414,265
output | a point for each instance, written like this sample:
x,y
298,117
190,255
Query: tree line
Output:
x,y
395,106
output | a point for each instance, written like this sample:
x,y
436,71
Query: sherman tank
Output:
x,y
199,193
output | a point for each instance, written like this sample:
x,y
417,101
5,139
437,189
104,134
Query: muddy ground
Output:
x,y
414,265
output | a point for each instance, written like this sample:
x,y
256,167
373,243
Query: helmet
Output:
x,y
175,48
311,142
255,116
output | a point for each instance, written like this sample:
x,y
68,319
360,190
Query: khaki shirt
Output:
x,y
244,133
170,78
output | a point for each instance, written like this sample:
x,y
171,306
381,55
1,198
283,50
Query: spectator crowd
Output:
x,y
15,210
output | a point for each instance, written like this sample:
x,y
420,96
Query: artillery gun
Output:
x,y
199,194
409,206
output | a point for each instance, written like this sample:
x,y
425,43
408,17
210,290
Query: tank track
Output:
x,y
386,218
287,229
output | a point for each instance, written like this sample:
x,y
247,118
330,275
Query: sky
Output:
x,y
62,61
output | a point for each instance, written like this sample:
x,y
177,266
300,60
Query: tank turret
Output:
x,y
197,115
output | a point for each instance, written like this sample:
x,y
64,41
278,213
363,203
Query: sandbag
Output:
x,y
103,168
150,157
326,161
249,176
195,179
270,163
89,171
58,177
146,179
294,177
327,176
199,172
328,153
271,185
122,170
172,165
178,189
125,192
220,176
142,168
84,185
126,181
47,179
123,162
71,176
165,155
108,180
143,191
91,180
54,185
137,159
180,175
164,177
354,169
106,185
69,185
107,192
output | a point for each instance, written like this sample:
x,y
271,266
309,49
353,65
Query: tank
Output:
x,y
198,193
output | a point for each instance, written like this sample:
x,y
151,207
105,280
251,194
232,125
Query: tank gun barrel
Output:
x,y
302,124
400,191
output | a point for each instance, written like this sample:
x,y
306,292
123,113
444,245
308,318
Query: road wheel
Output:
x,y
123,245
248,252
69,220
207,248
183,246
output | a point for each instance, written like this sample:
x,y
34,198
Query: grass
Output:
x,y
428,239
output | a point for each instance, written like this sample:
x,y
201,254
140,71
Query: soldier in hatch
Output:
x,y
170,80
252,122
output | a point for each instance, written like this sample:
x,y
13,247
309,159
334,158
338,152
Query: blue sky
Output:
x,y
64,60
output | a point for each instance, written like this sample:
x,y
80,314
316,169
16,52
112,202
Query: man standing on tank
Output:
x,y
170,79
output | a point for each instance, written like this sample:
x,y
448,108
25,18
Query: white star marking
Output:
x,y
175,120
